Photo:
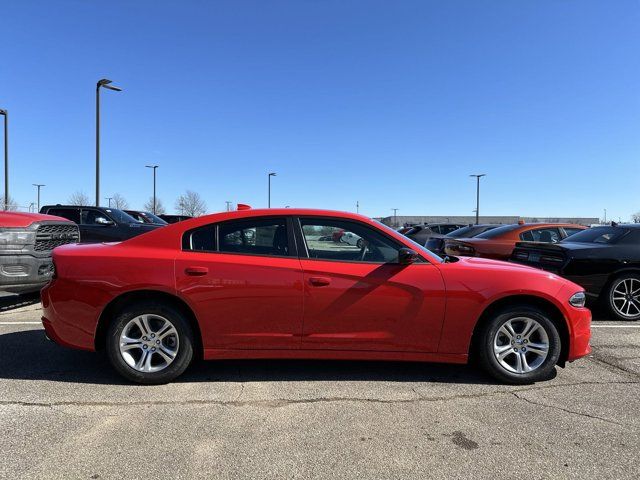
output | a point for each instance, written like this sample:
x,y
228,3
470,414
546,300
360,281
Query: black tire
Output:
x,y
608,296
185,339
488,335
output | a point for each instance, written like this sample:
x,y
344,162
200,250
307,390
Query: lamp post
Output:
x,y
357,206
271,174
478,177
106,83
395,216
108,199
228,205
38,186
5,113
154,185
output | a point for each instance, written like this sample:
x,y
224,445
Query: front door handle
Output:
x,y
319,281
196,271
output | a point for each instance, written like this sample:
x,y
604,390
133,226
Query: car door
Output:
x,y
361,298
244,281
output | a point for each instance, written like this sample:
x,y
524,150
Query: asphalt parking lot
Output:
x,y
66,414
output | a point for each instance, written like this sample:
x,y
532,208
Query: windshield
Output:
x,y
154,218
119,216
496,232
598,235
470,231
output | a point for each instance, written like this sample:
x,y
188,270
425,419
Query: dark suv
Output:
x,y
100,224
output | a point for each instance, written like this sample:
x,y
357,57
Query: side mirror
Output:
x,y
406,256
103,221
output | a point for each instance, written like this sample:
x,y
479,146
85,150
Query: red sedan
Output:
x,y
267,284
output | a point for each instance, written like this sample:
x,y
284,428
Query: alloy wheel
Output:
x,y
625,297
149,343
521,345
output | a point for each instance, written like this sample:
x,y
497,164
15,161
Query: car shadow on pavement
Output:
x,y
28,355
11,302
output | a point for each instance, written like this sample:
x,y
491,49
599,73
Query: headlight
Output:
x,y
13,239
578,299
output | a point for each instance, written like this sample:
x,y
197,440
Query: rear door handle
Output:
x,y
319,281
196,271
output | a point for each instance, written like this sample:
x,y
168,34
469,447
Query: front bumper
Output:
x,y
21,273
580,333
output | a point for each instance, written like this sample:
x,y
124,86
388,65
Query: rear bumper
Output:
x,y
62,332
21,273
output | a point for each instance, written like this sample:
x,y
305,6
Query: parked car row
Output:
x,y
604,260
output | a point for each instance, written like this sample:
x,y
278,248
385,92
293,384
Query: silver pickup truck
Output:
x,y
26,242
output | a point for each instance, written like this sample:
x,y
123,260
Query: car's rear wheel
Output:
x,y
623,297
519,345
150,343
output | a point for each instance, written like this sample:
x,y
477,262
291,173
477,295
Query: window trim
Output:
x,y
300,234
293,253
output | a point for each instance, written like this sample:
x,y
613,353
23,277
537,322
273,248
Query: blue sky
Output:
x,y
392,104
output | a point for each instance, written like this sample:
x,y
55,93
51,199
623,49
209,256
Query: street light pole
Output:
x,y
357,206
395,216
228,205
5,113
109,200
38,186
154,185
105,82
271,174
478,177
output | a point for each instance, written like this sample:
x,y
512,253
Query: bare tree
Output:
x,y
159,206
119,202
9,206
191,203
79,198
636,217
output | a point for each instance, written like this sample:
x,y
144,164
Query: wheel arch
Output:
x,y
130,297
547,306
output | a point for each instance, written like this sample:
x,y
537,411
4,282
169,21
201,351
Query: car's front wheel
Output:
x,y
150,343
519,345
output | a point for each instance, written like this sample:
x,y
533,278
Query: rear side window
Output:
x,y
254,237
68,213
201,239
544,235
267,236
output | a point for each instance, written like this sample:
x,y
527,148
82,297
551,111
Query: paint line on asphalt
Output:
x,y
20,323
615,326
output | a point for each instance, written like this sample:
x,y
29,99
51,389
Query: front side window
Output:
x,y
94,217
255,237
544,235
341,240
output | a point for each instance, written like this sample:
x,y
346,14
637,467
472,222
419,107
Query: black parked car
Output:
x,y
604,260
436,242
421,233
174,218
100,224
145,217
